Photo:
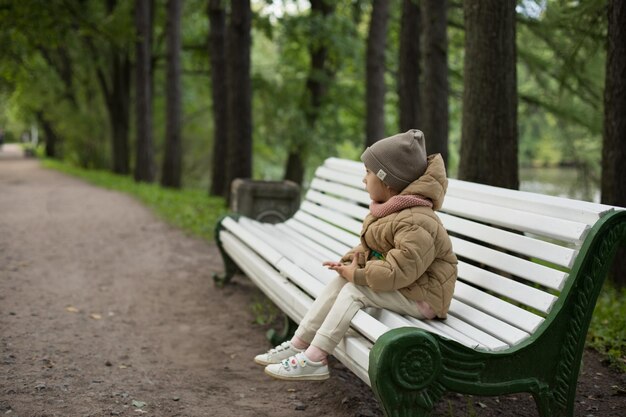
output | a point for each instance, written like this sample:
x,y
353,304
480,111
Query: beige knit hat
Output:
x,y
397,160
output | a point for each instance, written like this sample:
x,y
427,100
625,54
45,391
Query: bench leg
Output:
x,y
289,328
230,267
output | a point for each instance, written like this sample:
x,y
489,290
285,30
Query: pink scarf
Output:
x,y
397,203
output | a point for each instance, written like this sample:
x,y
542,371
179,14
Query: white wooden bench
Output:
x,y
530,270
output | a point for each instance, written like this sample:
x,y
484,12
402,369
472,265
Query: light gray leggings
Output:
x,y
328,319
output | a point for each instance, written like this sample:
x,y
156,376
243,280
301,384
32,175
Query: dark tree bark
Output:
x,y
172,163
316,86
614,139
50,136
409,67
117,96
435,91
375,69
144,162
239,92
489,132
118,104
114,81
219,94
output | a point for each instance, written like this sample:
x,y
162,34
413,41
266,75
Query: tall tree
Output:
x,y
375,72
489,131
219,94
239,92
435,91
614,140
113,68
316,87
144,162
172,161
409,67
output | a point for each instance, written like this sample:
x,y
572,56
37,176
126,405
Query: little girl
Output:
x,y
404,262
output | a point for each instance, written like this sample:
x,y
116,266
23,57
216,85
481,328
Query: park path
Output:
x,y
106,310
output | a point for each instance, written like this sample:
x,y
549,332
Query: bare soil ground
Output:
x,y
107,311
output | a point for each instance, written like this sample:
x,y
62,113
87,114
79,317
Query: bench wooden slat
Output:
x,y
345,165
523,221
276,287
288,251
311,248
521,244
268,253
439,327
338,219
565,208
343,191
352,180
353,351
494,306
344,237
489,324
347,208
294,229
522,268
327,242
529,296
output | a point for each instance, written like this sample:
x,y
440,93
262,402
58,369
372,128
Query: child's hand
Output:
x,y
332,265
346,271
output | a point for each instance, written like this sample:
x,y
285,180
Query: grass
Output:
x,y
607,331
194,211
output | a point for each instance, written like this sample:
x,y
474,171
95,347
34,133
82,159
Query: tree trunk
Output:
x,y
375,69
239,92
409,67
144,162
49,134
219,94
489,132
172,163
117,95
434,117
614,140
316,88
119,110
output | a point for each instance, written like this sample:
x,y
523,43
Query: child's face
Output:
x,y
377,189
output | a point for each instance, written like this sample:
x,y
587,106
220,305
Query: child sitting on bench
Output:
x,y
404,262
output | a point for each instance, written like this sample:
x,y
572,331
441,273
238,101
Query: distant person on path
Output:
x,y
404,262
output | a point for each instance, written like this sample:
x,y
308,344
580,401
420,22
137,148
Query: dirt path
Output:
x,y
105,310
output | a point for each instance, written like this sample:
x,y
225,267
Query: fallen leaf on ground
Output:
x,y
72,309
138,404
95,316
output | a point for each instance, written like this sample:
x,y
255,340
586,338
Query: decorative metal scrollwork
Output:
x,y
417,367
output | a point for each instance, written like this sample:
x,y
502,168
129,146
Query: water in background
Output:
x,y
562,182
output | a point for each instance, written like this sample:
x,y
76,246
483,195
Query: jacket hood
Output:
x,y
433,184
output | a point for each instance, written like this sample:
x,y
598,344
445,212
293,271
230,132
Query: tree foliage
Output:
x,y
58,71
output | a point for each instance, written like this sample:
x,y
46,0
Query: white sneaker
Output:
x,y
298,368
277,354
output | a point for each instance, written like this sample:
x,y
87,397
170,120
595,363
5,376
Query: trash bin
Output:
x,y
265,201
